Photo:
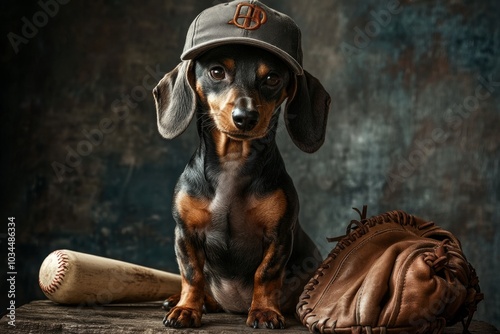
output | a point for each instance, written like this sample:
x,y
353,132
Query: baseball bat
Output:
x,y
69,277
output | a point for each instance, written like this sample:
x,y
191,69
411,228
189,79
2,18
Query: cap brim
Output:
x,y
199,49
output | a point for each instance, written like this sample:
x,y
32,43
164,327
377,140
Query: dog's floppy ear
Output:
x,y
175,101
306,112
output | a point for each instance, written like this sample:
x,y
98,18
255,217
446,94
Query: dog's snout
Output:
x,y
245,119
245,114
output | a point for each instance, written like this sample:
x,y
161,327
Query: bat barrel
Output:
x,y
69,277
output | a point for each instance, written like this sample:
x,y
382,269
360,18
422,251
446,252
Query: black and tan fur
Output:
x,y
237,239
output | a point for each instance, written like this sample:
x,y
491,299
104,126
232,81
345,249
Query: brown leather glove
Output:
x,y
392,273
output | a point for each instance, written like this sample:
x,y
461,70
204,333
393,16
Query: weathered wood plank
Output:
x,y
44,316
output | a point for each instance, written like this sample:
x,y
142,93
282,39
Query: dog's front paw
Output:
x,y
182,317
265,318
170,302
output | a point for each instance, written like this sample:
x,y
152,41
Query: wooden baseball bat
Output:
x,y
69,277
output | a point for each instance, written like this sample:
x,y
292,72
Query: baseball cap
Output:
x,y
245,22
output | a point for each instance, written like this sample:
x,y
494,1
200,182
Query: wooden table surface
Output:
x,y
44,316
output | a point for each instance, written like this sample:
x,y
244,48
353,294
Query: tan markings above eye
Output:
x,y
263,70
229,64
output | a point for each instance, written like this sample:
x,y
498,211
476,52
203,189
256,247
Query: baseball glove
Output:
x,y
392,273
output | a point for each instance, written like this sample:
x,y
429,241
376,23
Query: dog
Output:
x,y
238,241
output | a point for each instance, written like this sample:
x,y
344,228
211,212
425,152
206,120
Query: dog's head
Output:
x,y
242,82
241,87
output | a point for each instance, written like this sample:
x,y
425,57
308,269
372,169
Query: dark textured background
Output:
x,y
397,137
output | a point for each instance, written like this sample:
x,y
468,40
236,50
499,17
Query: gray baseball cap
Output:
x,y
245,22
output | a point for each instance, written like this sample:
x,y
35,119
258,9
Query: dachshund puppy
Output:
x,y
238,242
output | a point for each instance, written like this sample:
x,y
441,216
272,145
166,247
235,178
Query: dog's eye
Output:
x,y
218,73
272,80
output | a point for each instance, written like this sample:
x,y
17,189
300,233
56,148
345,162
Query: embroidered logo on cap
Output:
x,y
248,16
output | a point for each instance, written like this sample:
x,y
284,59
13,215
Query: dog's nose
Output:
x,y
245,119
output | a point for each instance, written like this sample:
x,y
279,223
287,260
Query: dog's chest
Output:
x,y
233,219
244,212
229,207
